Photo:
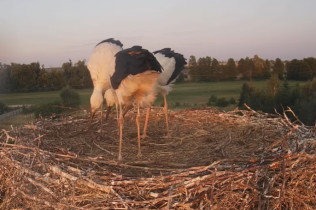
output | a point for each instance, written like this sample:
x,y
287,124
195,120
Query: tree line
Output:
x,y
206,69
34,77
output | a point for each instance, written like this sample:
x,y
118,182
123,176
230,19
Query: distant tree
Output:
x,y
43,80
230,69
258,67
215,69
4,77
24,76
67,70
312,64
192,61
193,68
56,81
267,69
299,70
245,67
203,69
279,68
77,75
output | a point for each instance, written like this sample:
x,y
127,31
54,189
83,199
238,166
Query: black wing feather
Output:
x,y
180,62
133,61
113,41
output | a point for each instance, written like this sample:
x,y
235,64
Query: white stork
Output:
x,y
135,76
101,66
172,63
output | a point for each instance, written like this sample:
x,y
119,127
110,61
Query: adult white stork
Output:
x,y
101,66
135,76
172,63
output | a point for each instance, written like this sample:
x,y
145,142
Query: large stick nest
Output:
x,y
213,160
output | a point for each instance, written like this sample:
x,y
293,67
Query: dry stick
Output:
x,y
281,195
105,150
89,183
112,163
249,108
42,186
46,203
7,135
284,140
291,111
33,198
37,175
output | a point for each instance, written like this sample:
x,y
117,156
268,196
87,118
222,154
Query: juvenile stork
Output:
x,y
172,63
101,66
135,76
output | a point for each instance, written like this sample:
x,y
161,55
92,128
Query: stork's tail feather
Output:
x,y
139,86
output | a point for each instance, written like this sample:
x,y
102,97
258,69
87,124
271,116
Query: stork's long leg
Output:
x,y
146,123
139,154
121,121
101,117
165,109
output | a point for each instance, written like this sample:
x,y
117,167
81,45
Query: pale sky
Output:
x,y
52,32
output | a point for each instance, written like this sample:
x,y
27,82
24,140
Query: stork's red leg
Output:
x,y
139,154
121,122
101,117
146,123
165,109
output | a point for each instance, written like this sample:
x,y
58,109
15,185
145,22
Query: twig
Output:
x,y
105,150
42,186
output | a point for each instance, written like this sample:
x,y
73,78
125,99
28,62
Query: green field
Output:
x,y
183,94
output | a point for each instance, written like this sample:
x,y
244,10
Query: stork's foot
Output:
x,y
139,154
167,136
119,158
144,135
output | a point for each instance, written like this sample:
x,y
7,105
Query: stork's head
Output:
x,y
96,100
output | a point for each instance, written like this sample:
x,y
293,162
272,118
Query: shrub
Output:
x,y
232,100
212,100
3,108
48,109
222,102
69,97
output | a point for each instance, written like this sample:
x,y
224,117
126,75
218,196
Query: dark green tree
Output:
x,y
4,78
312,64
258,67
279,68
23,77
299,70
230,69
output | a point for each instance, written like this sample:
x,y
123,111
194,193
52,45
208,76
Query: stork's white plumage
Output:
x,y
136,73
101,65
172,63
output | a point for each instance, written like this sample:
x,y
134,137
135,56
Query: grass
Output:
x,y
183,94
41,97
